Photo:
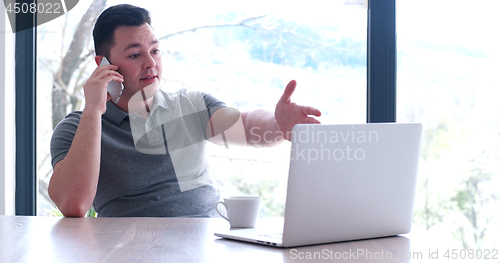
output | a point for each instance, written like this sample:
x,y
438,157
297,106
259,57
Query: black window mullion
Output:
x,y
381,61
25,77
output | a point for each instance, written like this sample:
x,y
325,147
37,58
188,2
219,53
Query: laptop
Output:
x,y
346,182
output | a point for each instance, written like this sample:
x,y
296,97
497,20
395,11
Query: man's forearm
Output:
x,y
261,128
74,182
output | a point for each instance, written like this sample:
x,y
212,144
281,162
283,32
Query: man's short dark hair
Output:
x,y
110,19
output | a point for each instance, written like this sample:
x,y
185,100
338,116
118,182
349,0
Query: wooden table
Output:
x,y
48,239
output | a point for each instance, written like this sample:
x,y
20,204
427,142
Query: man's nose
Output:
x,y
149,62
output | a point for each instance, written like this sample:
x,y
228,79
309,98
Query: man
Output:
x,y
94,152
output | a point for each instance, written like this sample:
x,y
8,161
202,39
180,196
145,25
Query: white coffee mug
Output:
x,y
242,211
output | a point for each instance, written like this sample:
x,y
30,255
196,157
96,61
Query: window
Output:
x,y
7,124
244,56
448,60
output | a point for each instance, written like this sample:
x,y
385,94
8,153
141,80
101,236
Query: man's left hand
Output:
x,y
288,114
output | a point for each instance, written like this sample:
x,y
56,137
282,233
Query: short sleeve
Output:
x,y
212,105
205,105
62,137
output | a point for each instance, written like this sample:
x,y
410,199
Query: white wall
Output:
x,y
7,125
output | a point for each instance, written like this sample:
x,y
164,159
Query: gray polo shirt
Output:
x,y
134,182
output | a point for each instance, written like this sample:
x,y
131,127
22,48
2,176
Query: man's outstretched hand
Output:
x,y
287,113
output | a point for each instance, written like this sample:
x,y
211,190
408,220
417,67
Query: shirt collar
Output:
x,y
159,100
114,114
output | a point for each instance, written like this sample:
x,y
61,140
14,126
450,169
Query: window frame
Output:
x,y
381,90
381,61
25,85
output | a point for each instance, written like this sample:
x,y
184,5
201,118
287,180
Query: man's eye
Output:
x,y
133,56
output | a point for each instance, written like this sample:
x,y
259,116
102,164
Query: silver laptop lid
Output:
x,y
350,182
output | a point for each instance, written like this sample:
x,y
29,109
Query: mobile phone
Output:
x,y
114,88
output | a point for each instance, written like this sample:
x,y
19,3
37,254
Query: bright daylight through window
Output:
x,y
448,60
244,55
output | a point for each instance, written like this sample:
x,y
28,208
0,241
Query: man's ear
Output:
x,y
98,60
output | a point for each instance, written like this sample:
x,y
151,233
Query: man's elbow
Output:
x,y
78,214
69,208
74,210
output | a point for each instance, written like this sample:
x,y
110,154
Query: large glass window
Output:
x,y
448,60
243,55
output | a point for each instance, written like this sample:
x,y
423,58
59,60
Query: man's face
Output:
x,y
137,55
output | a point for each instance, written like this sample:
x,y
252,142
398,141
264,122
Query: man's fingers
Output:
x,y
101,69
104,74
290,88
311,120
311,111
118,78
